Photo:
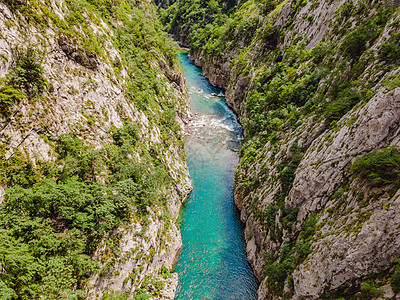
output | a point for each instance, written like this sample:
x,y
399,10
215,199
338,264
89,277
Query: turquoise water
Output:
x,y
212,263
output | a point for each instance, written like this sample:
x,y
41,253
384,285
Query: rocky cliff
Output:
x,y
316,87
93,170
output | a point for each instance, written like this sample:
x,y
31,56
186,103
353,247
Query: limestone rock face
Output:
x,y
86,96
216,71
349,255
355,237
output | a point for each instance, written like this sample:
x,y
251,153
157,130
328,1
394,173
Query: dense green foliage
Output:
x,y
369,290
185,17
17,170
390,51
164,3
379,167
56,213
48,230
213,25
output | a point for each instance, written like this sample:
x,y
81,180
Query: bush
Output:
x,y
369,290
308,228
268,216
379,167
17,170
395,282
70,145
126,135
390,51
355,43
342,103
395,278
277,274
27,75
8,97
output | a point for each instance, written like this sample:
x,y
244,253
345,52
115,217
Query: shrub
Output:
x,y
389,52
342,103
70,145
395,278
355,43
395,282
17,170
379,167
308,227
268,216
6,292
128,134
369,290
27,75
8,97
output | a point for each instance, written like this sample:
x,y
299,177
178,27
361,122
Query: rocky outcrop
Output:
x,y
87,96
216,70
356,236
81,56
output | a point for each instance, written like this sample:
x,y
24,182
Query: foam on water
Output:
x,y
212,123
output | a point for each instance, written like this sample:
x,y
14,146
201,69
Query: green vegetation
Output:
x,y
356,42
57,212
390,50
17,170
281,84
291,256
113,296
187,16
379,167
369,290
344,100
27,75
49,229
24,80
8,97
395,278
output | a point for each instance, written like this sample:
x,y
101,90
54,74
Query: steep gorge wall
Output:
x,y
316,87
120,91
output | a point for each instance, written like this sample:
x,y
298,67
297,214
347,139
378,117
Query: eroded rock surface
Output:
x,y
86,96
313,228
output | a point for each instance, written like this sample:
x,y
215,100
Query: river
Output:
x,y
212,263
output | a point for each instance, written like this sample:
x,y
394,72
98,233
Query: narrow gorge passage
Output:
x,y
212,263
